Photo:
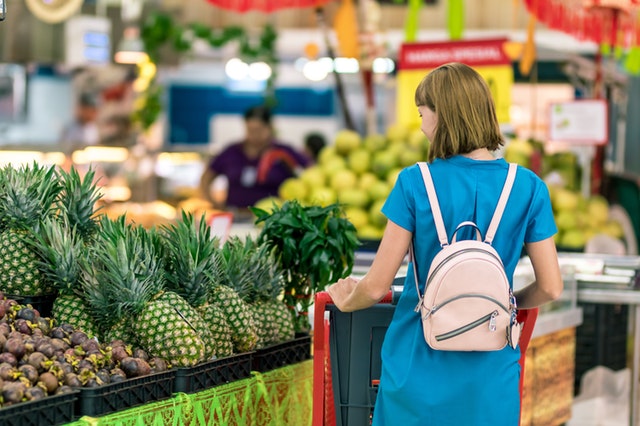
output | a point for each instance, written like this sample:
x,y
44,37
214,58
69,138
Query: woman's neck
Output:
x,y
479,154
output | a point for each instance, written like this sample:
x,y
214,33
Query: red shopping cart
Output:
x,y
346,359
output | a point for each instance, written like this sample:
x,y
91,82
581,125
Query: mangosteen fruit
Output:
x,y
46,348
86,364
135,367
34,393
37,359
30,372
118,353
90,345
9,358
28,314
72,379
8,372
5,329
50,382
117,375
13,392
67,328
78,337
63,389
104,376
140,353
58,333
15,345
158,364
23,326
59,344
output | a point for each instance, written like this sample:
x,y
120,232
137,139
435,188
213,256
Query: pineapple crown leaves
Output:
x,y
98,295
262,266
231,269
313,243
78,199
189,254
59,248
128,259
27,195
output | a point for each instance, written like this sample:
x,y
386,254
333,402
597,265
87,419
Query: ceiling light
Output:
x,y
131,48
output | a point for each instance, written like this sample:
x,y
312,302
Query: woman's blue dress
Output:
x,y
420,386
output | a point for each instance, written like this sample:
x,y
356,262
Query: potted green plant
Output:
x,y
315,245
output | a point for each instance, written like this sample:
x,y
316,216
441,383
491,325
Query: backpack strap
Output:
x,y
435,207
437,219
502,203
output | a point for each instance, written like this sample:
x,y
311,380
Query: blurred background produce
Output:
x,y
357,172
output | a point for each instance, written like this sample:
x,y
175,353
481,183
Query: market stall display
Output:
x,y
138,313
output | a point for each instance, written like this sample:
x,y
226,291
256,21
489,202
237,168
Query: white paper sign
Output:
x,y
580,122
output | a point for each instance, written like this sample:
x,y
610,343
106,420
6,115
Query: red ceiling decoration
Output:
x,y
266,5
612,22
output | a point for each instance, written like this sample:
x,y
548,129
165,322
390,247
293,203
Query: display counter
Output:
x,y
615,280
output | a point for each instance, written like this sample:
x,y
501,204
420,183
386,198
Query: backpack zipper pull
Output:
x,y
492,321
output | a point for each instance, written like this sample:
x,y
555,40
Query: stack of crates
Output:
x,y
601,339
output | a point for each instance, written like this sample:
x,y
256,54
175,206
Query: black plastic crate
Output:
x,y
49,411
43,304
601,339
282,354
213,373
129,393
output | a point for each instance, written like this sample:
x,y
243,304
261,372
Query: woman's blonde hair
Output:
x,y
466,113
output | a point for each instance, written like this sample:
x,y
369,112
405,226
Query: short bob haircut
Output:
x,y
465,109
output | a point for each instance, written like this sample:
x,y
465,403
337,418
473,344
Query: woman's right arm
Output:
x,y
548,279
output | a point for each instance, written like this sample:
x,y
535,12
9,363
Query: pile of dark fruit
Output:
x,y
39,358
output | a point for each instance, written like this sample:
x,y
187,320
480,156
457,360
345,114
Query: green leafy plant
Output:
x,y
315,246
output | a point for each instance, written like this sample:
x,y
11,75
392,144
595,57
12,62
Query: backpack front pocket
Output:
x,y
490,318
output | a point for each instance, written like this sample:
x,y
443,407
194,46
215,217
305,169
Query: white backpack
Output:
x,y
467,304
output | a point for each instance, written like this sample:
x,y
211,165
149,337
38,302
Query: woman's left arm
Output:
x,y
349,294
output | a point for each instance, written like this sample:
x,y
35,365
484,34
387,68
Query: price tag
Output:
x,y
220,223
581,122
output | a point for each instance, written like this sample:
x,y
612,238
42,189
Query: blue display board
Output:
x,y
190,107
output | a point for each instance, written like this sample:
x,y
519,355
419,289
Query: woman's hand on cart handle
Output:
x,y
341,290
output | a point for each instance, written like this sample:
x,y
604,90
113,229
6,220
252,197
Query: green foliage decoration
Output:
x,y
160,31
314,245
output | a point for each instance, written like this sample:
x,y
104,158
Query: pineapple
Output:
x,y
273,319
230,273
60,248
62,245
189,253
220,329
78,200
128,261
27,196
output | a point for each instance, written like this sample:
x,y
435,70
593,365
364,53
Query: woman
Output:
x,y
419,385
254,167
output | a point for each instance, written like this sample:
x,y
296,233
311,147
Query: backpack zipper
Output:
x,y
491,317
458,254
465,295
